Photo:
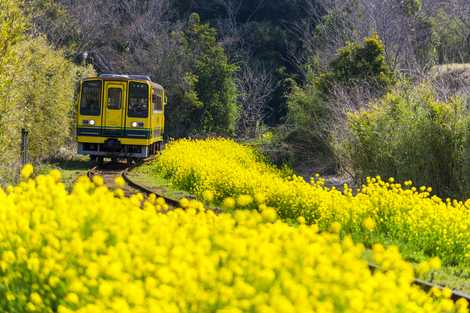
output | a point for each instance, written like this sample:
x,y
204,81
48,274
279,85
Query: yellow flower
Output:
x,y
260,198
184,203
105,289
229,203
208,196
435,292
54,281
446,293
10,296
30,307
423,268
27,171
269,214
161,201
120,182
435,263
98,180
369,224
461,304
335,227
72,298
36,298
244,200
119,193
56,175
447,305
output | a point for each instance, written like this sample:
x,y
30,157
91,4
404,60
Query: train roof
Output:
x,y
110,76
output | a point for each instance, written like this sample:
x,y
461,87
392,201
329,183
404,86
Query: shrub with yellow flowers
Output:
x,y
381,211
92,250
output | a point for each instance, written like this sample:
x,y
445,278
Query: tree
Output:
x,y
452,36
12,31
358,63
206,104
37,86
403,26
255,87
410,135
12,26
318,107
306,131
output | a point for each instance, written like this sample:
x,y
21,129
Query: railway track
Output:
x,y
110,171
427,286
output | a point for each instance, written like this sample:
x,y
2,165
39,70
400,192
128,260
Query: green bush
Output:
x,y
409,134
12,28
37,86
357,63
314,109
308,119
47,87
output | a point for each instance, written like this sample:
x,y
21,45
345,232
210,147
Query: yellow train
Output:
x,y
120,116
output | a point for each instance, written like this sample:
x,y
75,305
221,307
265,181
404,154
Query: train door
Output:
x,y
114,108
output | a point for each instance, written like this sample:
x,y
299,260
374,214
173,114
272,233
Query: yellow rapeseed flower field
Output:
x,y
381,210
92,250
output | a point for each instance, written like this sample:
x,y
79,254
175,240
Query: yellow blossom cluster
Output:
x,y
382,210
92,250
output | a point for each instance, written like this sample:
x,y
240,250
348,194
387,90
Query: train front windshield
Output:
x,y
90,103
138,100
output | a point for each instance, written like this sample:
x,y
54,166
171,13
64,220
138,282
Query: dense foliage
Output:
x,y
260,34
314,110
37,86
92,250
340,118
410,134
419,222
207,102
358,64
307,124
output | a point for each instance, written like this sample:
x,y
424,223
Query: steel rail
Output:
x,y
124,173
426,286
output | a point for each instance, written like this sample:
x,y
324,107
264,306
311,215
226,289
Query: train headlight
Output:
x,y
91,122
137,124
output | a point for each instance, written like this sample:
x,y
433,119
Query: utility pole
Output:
x,y
24,146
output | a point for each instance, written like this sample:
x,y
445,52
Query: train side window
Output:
x,y
90,103
154,101
157,101
138,100
114,98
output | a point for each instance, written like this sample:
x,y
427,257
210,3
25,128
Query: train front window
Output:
x,y
90,103
114,98
138,100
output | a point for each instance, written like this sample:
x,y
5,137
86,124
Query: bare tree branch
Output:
x,y
255,85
